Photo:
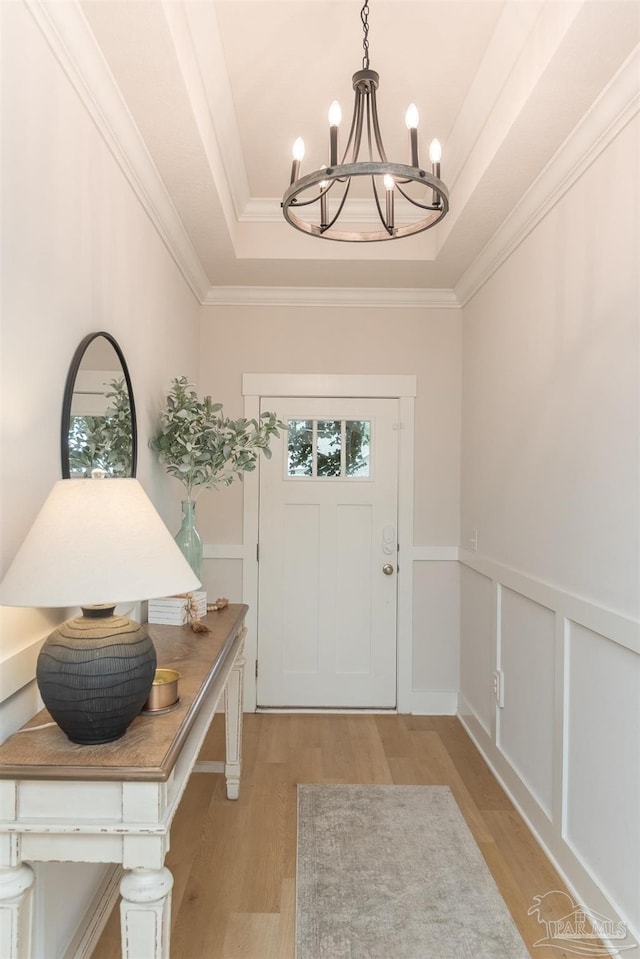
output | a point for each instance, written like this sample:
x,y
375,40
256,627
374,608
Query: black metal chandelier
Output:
x,y
314,203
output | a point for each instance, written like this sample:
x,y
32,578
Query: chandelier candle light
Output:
x,y
428,203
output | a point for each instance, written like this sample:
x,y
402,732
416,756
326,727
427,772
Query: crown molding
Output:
x,y
71,40
368,297
615,107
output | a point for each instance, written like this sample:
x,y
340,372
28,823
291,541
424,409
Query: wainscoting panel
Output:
x,y
476,628
603,783
222,577
527,662
436,626
566,743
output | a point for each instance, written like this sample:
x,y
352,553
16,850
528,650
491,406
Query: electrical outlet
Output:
x,y
473,540
497,685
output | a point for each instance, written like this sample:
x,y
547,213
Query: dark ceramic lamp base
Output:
x,y
94,673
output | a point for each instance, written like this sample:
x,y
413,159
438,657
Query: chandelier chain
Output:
x,y
364,16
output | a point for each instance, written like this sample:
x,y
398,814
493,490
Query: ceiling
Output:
x,y
218,91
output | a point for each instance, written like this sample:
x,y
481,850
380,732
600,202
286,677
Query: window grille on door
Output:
x,y
329,448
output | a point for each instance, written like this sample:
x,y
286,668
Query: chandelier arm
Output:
x,y
313,199
351,130
369,141
358,117
376,126
414,202
340,207
380,213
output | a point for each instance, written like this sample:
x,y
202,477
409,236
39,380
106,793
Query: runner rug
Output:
x,y
393,872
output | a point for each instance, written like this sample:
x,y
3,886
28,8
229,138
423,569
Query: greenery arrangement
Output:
x,y
103,442
202,447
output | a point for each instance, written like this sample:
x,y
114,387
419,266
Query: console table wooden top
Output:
x,y
152,743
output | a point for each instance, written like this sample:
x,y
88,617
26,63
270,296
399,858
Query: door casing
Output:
x,y
257,386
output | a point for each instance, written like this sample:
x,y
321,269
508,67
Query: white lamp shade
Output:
x,y
96,541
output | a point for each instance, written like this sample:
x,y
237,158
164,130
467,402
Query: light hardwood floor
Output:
x,y
234,862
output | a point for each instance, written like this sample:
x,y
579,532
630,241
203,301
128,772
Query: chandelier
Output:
x,y
314,203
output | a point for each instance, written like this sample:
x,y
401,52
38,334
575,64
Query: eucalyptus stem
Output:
x,y
203,448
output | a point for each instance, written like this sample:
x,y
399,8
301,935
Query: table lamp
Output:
x,y
96,543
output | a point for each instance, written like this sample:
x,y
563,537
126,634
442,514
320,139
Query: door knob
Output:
x,y
387,569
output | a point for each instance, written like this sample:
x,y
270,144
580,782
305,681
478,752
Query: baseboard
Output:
x,y
325,710
434,702
86,938
423,702
579,882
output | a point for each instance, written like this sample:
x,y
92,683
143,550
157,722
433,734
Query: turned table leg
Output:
x,y
16,884
233,722
145,913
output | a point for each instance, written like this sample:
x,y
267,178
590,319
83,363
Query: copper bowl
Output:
x,y
164,691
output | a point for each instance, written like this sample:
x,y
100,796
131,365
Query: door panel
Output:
x,y
328,507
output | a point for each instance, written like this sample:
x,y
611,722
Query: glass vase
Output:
x,y
188,538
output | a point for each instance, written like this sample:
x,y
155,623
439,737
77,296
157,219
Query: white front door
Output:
x,y
328,555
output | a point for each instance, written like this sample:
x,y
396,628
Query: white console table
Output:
x,y
114,803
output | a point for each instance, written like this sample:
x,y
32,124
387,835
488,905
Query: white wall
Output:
x,y
355,340
78,255
551,481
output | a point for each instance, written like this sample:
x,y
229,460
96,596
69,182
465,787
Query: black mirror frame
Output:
x,y
68,395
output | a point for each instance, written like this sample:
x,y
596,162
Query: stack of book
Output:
x,y
177,610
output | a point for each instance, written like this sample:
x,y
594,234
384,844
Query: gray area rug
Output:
x,y
393,872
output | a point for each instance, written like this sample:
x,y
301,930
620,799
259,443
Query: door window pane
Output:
x,y
329,447
300,439
357,441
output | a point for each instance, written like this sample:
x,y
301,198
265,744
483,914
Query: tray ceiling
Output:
x,y
218,91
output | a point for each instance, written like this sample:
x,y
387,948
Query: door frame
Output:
x,y
403,387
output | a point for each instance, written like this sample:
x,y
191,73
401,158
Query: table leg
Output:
x,y
233,721
145,913
16,884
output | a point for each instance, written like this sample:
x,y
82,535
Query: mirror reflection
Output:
x,y
98,416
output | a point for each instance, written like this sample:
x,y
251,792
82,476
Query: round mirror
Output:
x,y
98,412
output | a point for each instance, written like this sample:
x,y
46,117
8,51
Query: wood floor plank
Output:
x,y
338,757
532,871
480,781
370,755
252,935
409,772
234,862
516,901
288,918
443,771
186,836
394,736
